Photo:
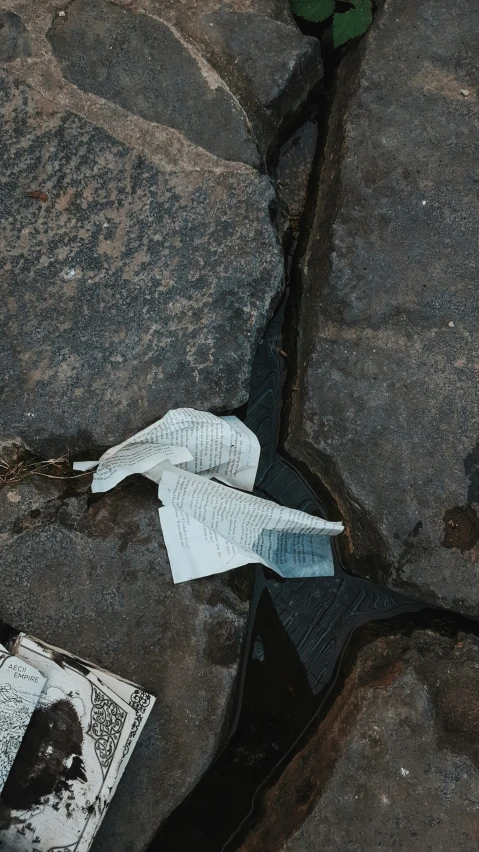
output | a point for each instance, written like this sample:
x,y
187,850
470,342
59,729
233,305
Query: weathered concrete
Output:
x,y
386,412
395,764
93,578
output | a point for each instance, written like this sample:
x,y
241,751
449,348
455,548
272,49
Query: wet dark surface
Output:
x,y
298,630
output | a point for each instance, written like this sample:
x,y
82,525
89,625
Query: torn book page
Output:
x,y
77,747
209,528
20,689
197,441
132,458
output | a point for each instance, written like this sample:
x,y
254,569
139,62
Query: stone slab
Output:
x,y
385,407
269,63
140,63
258,50
14,41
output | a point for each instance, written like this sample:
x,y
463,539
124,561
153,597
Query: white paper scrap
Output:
x,y
209,528
20,689
199,442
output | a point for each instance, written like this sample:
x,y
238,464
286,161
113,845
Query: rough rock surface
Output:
x,y
14,41
93,577
141,263
258,50
157,235
272,84
386,413
395,763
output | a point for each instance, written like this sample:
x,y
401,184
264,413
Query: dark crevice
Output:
x,y
279,711
370,559
275,686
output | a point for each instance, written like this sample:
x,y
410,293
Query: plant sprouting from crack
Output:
x,y
349,18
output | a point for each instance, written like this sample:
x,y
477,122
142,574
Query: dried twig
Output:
x,y
50,468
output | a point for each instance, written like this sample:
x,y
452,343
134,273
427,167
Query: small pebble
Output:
x,y
451,324
464,92
61,14
424,203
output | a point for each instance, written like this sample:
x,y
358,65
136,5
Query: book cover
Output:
x,y
76,748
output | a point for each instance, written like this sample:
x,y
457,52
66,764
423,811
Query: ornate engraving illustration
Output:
x,y
140,701
106,724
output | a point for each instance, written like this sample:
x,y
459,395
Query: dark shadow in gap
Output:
x,y
276,704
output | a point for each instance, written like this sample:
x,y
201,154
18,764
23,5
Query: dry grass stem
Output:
x,y
11,472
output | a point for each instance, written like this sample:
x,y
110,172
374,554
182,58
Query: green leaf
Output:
x,y
353,23
312,10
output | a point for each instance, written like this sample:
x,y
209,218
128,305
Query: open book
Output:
x,y
73,754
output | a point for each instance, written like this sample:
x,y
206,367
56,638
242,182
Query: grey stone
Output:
x,y
386,412
135,288
395,762
270,64
139,63
93,577
257,48
14,41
